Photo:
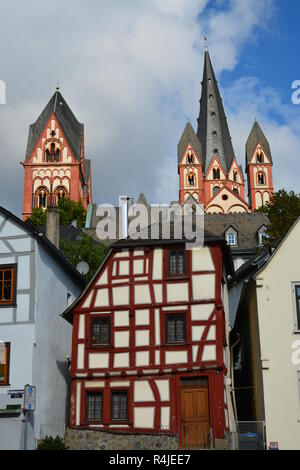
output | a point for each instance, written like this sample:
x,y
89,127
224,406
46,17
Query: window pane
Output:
x,y
100,331
175,328
119,406
298,291
94,406
176,263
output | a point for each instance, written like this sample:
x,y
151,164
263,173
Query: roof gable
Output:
x,y
255,138
189,137
72,129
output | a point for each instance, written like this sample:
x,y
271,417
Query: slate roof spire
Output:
x,y
213,131
189,138
256,137
72,129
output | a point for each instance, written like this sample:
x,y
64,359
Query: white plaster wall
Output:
x,y
276,326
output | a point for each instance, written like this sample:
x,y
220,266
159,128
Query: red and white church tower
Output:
x,y
207,165
55,166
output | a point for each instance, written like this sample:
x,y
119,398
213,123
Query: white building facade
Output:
x,y
36,285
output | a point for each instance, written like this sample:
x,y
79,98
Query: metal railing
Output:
x,y
249,435
196,437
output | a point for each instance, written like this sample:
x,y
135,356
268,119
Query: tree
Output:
x,y
88,250
68,211
38,217
283,211
51,443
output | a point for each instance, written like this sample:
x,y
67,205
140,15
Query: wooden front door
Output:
x,y
194,417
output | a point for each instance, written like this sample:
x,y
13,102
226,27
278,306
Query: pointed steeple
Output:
x,y
256,137
189,137
213,131
72,129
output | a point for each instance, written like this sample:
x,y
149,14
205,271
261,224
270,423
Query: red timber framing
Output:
x,y
134,290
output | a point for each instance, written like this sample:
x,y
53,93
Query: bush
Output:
x,y
51,443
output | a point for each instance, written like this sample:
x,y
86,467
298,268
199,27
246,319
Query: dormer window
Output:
x,y
231,237
262,235
216,173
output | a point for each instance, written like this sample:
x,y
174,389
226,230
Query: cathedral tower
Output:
x,y
55,166
259,168
214,178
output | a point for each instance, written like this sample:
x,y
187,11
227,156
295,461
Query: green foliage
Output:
x,y
283,211
68,211
87,250
38,217
51,443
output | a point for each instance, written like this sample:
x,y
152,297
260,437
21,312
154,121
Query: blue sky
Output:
x,y
131,71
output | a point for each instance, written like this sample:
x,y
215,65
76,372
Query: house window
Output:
x,y
261,237
100,331
177,263
7,285
231,238
94,406
119,406
4,363
297,298
176,328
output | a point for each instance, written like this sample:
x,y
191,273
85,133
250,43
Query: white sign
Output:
x,y
29,397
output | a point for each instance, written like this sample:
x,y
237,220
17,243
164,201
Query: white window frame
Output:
x,y
231,234
296,319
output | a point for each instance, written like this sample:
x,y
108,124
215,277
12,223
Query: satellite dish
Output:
x,y
83,267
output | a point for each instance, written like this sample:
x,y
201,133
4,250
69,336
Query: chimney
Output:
x,y
52,225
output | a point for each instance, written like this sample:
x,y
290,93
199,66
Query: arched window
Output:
x,y
259,156
261,180
42,198
60,193
191,179
216,173
216,189
235,176
190,157
52,153
235,191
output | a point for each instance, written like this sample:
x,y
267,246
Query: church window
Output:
x,y
94,406
7,285
216,189
213,114
4,363
190,157
216,173
191,179
216,151
119,406
261,179
210,97
235,191
42,198
259,156
100,331
175,328
235,176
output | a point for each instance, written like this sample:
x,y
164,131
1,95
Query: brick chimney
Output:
x,y
52,225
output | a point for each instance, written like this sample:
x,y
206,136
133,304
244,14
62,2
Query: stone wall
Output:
x,y
79,439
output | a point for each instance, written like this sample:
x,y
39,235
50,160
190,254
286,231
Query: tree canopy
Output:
x,y
283,211
68,211
86,249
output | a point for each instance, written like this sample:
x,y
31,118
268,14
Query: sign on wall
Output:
x,y
29,397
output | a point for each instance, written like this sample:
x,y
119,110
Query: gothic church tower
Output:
x,y
55,166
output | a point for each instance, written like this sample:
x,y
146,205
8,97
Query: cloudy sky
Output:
x,y
131,70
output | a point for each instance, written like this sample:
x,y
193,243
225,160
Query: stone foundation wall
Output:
x,y
79,439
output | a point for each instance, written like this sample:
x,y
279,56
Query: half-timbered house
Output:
x,y
149,350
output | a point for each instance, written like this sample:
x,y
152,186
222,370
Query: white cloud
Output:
x,y
131,71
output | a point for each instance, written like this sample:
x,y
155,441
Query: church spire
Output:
x,y
213,131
